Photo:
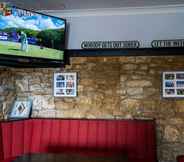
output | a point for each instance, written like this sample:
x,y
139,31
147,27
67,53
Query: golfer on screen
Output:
x,y
24,42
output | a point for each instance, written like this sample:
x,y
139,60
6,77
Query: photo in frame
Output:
x,y
173,84
21,109
65,84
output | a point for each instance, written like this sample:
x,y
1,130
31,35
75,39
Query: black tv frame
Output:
x,y
15,61
32,62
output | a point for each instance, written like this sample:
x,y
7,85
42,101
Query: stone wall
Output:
x,y
108,87
7,91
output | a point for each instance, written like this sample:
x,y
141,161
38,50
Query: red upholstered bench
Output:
x,y
180,158
135,138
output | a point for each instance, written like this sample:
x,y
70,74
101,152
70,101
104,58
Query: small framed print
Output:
x,y
173,84
21,109
65,84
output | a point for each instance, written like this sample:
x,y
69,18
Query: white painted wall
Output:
x,y
143,25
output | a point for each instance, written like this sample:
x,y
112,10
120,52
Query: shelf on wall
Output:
x,y
126,52
14,62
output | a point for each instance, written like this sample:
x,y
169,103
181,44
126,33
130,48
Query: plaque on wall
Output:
x,y
168,43
109,44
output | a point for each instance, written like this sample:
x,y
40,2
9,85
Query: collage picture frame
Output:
x,y
65,84
173,84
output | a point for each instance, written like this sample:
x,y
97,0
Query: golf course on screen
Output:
x,y
30,34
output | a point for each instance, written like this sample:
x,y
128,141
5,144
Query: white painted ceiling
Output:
x,y
88,4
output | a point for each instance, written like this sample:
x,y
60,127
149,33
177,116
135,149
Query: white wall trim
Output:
x,y
117,11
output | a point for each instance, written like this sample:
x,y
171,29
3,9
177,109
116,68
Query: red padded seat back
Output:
x,y
1,146
180,158
136,138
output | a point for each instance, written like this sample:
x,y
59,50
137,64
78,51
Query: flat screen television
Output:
x,y
29,38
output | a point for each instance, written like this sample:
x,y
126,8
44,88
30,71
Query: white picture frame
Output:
x,y
173,84
65,84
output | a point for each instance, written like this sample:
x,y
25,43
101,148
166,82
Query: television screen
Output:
x,y
31,35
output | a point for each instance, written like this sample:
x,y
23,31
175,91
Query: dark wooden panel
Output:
x,y
127,52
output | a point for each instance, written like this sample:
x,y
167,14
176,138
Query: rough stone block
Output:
x,y
135,91
171,134
139,83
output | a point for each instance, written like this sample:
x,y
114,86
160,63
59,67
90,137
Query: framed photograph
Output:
x,y
173,84
21,109
65,84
